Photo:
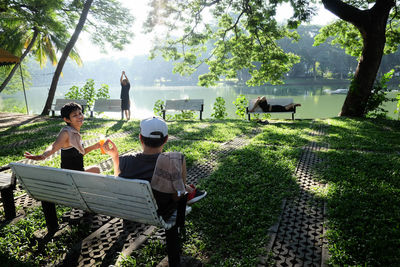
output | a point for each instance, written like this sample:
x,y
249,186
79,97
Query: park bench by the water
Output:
x,y
60,102
184,104
274,101
129,199
107,105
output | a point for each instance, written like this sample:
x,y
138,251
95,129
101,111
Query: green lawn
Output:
x,y
361,168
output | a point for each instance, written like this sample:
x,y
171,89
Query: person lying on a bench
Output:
x,y
153,136
263,104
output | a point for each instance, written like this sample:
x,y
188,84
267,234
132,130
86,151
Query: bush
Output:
x,y
219,109
241,103
88,92
378,96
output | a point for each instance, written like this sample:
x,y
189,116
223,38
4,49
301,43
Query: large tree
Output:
x,y
108,23
244,34
373,26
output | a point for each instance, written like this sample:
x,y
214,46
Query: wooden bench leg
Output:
x,y
7,196
173,247
50,214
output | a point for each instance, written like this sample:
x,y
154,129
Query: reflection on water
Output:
x,y
316,100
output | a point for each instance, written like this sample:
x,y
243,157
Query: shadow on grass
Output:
x,y
364,134
6,261
363,207
230,226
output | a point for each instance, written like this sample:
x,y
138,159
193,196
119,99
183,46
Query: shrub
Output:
x,y
88,92
219,109
378,96
241,103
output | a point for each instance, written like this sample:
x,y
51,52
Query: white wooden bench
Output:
x,y
184,104
129,199
7,186
107,105
272,101
60,102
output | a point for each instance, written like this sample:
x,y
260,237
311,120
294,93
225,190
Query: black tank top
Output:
x,y
264,106
71,159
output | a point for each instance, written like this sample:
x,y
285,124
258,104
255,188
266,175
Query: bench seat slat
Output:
x,y
118,212
134,204
184,104
107,105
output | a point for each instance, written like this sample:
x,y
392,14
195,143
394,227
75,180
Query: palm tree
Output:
x,y
39,33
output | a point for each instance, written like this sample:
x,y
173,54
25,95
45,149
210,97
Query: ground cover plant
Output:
x,y
362,169
245,191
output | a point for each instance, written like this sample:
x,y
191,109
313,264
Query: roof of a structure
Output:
x,y
6,58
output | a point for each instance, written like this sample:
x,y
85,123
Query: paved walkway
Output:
x,y
14,119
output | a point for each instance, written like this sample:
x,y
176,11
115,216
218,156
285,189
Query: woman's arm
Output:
x,y
122,76
92,147
61,141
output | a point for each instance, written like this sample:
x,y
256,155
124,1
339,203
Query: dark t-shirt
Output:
x,y
141,166
125,91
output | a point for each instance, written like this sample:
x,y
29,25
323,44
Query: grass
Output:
x,y
245,192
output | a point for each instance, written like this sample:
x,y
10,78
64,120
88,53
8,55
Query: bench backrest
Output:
x,y
107,105
60,102
271,101
130,199
184,104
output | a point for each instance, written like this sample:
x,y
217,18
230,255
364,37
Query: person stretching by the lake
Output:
x,y
263,104
125,101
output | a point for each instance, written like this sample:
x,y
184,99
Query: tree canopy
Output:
x,y
231,35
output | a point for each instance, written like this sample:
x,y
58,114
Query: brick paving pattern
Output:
x,y
297,239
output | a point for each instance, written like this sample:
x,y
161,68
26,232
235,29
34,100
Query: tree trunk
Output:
x,y
365,74
64,56
372,25
27,50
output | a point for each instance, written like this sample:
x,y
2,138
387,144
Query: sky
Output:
x,y
141,44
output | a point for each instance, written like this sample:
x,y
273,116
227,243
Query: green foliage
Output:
x,y
12,105
241,103
398,105
15,84
242,36
158,107
219,109
234,238
378,96
149,255
185,115
88,92
346,36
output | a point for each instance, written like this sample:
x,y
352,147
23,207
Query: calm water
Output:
x,y
316,100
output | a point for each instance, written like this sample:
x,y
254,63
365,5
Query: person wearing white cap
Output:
x,y
153,136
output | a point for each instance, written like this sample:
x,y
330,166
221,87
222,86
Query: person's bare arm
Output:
x,y
92,147
122,76
61,141
113,153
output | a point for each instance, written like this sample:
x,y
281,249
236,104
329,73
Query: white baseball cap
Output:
x,y
153,127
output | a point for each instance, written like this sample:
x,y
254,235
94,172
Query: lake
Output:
x,y
317,100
